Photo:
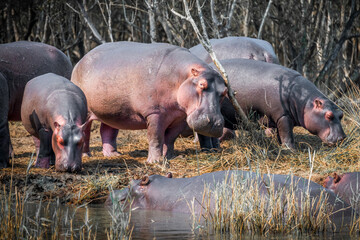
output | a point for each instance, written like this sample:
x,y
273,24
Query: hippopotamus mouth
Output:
x,y
206,124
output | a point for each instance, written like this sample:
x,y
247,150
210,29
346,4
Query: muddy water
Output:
x,y
151,224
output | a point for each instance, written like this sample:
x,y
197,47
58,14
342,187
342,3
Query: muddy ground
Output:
x,y
99,173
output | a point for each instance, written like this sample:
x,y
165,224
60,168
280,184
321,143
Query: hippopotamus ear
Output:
x,y
169,175
318,103
336,177
195,72
145,181
56,127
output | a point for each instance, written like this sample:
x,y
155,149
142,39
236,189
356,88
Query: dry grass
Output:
x,y
242,205
251,150
53,220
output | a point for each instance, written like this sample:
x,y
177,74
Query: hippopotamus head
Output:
x,y
332,182
200,95
323,118
67,143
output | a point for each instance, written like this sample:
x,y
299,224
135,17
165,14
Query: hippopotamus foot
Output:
x,y
209,144
86,154
108,137
227,134
109,150
43,162
285,128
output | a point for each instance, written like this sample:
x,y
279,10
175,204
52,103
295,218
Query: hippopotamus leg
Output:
x,y
4,127
155,135
46,156
208,143
285,128
108,137
171,133
86,146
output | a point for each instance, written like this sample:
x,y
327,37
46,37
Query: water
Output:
x,y
147,224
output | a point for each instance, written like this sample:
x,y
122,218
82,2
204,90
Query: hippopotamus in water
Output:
x,y
20,62
54,111
286,98
178,194
156,87
237,47
347,186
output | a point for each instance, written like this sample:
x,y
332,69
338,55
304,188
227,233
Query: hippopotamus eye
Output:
x,y
329,115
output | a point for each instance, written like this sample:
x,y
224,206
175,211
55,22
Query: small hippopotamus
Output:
x,y
346,186
237,47
156,87
54,111
286,98
20,62
188,194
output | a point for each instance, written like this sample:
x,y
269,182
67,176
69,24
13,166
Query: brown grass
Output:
x,y
251,150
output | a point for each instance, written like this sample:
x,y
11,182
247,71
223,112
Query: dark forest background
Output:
x,y
318,38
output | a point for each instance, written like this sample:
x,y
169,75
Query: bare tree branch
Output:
x,y
344,36
204,39
230,16
264,18
85,16
214,19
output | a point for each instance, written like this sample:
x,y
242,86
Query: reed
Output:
x,y
23,219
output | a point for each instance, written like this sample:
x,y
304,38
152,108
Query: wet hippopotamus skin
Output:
x,y
285,97
149,86
20,62
54,111
237,47
177,194
346,186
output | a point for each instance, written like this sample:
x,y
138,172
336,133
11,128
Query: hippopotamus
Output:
x,y
158,87
237,47
346,186
286,98
54,111
190,195
20,62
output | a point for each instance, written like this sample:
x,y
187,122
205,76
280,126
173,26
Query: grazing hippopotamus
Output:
x,y
237,47
20,62
54,111
286,98
190,194
347,186
156,87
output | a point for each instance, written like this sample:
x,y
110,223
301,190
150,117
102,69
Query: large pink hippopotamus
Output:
x,y
188,194
285,97
54,111
20,62
346,186
156,87
238,47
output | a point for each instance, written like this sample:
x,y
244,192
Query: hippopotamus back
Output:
x,y
238,47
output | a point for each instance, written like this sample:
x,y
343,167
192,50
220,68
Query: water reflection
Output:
x,y
147,224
